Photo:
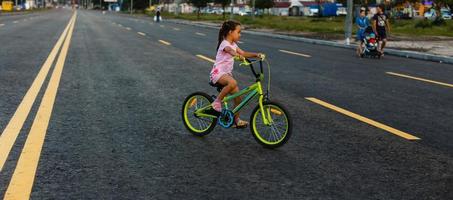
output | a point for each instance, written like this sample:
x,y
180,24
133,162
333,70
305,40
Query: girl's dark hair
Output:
x,y
227,26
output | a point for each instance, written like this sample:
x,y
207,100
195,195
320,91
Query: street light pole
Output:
x,y
231,10
253,9
348,23
177,7
132,5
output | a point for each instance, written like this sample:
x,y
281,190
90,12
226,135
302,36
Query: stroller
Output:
x,y
371,44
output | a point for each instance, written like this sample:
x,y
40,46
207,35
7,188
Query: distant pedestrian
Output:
x,y
362,23
158,14
381,27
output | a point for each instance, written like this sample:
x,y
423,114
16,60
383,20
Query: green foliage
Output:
x,y
423,24
224,3
429,24
199,3
439,21
263,4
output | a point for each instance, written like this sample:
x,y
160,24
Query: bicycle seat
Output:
x,y
217,85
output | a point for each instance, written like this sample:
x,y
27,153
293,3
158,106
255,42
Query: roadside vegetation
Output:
x,y
327,25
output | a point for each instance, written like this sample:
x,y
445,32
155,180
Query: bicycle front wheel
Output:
x,y
277,132
199,126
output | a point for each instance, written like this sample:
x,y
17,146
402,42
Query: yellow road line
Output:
x,y
12,130
363,119
202,34
22,180
140,33
294,53
419,79
164,42
206,58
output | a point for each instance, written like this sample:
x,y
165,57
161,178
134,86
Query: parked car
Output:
x,y
216,11
242,13
313,11
445,13
341,11
431,14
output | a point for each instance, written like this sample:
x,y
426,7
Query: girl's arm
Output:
x,y
232,52
248,54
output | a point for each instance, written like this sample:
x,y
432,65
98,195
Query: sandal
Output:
x,y
240,124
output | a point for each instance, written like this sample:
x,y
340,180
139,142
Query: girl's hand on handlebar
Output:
x,y
261,56
239,58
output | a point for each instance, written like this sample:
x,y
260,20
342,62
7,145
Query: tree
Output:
x,y
224,3
264,4
199,4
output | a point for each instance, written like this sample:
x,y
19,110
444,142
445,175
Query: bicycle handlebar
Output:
x,y
248,62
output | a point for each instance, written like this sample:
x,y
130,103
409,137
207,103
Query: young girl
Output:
x,y
221,73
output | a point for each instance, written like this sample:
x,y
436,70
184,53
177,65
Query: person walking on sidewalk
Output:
x,y
362,23
381,27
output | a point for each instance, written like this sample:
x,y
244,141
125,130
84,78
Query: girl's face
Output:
x,y
362,13
236,34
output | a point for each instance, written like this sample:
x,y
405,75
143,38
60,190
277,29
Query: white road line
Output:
x,y
128,28
165,42
15,22
420,79
202,34
294,53
206,58
176,29
140,33
2,25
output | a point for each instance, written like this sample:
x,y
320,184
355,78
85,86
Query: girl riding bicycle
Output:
x,y
221,72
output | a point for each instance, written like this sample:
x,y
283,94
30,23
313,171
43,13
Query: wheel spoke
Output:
x,y
199,123
274,134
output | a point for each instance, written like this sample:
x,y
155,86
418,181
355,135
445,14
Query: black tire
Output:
x,y
183,113
256,112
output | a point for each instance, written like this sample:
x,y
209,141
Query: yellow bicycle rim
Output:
x,y
274,110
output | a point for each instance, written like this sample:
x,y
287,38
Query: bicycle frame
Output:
x,y
252,91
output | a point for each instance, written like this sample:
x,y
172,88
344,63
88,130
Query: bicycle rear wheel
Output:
x,y
199,126
277,132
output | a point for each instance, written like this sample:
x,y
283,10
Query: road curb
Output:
x,y
394,52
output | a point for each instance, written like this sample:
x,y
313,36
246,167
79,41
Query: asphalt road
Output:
x,y
115,131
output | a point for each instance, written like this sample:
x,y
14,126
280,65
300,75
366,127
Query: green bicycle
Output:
x,y
270,122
